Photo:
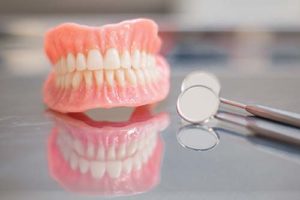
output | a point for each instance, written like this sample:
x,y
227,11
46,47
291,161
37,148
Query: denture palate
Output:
x,y
111,67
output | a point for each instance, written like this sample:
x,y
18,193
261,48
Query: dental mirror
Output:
x,y
197,138
197,104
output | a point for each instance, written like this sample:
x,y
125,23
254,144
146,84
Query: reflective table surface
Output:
x,y
134,152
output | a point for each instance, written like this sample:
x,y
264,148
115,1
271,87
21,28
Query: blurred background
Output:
x,y
251,36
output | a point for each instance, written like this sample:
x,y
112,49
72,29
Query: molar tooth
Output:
x,y
97,169
99,77
112,59
125,60
80,62
109,77
76,79
135,60
83,165
120,77
88,77
114,168
130,76
140,76
94,60
71,62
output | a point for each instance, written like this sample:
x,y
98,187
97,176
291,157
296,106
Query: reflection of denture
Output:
x,y
114,65
106,158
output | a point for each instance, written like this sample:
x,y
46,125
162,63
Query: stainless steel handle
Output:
x,y
274,114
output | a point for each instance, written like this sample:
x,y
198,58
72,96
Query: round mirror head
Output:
x,y
197,104
201,78
198,138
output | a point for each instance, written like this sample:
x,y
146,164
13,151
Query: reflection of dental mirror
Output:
x,y
198,138
201,78
197,104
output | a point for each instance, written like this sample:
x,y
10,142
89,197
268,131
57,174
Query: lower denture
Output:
x,y
123,70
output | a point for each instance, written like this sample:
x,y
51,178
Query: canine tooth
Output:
x,y
80,62
97,169
143,59
88,77
120,77
63,66
137,163
101,153
76,79
83,165
111,155
99,77
112,59
73,161
125,60
130,76
131,147
114,168
78,147
121,151
94,60
109,77
135,60
140,76
90,150
71,62
127,165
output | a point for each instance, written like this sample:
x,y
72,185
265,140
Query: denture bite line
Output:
x,y
114,161
125,68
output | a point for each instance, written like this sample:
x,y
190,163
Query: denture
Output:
x,y
106,158
110,66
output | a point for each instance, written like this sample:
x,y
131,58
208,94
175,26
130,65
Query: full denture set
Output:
x,y
109,66
106,158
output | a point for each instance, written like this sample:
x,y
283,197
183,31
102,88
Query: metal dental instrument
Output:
x,y
205,94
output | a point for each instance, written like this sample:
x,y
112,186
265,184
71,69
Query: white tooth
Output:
x,y
130,76
143,59
114,168
152,73
147,75
111,155
94,60
127,165
100,153
68,80
80,62
90,150
131,147
83,165
73,161
137,163
76,79
135,60
151,61
109,77
125,60
88,77
121,151
97,169
62,79
57,81
141,143
145,155
98,74
63,66
140,76
112,59
71,62
56,67
120,77
77,145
